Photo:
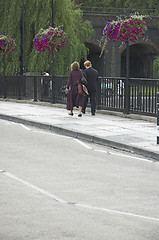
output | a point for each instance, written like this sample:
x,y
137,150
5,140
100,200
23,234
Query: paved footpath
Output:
x,y
127,133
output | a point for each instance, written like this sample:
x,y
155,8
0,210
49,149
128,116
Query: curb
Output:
x,y
83,136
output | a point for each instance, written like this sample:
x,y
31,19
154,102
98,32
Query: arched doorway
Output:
x,y
141,57
93,56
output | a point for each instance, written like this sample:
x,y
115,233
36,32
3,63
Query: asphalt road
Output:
x,y
54,187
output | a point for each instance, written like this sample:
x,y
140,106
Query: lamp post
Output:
x,y
52,60
52,13
23,60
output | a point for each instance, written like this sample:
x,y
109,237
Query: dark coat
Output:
x,y
92,78
74,99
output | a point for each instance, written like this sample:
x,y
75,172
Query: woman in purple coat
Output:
x,y
74,99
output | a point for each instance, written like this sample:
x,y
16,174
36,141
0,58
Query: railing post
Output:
x,y
127,89
4,77
158,117
35,89
4,88
18,86
52,73
99,93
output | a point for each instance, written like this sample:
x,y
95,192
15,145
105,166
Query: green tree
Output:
x,y
156,68
38,14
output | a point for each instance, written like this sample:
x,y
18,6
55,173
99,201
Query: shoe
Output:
x,y
83,112
93,114
71,114
80,115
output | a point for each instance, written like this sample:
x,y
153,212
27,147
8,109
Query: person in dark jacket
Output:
x,y
92,79
74,99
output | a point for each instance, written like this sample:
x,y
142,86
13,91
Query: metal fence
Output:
x,y
141,99
111,94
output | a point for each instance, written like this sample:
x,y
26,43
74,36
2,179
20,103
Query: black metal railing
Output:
x,y
142,95
13,87
111,91
158,117
111,94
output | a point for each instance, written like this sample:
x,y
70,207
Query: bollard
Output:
x,y
158,116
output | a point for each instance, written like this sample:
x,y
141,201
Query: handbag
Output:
x,y
82,90
83,79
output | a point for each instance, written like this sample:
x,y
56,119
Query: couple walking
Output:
x,y
74,99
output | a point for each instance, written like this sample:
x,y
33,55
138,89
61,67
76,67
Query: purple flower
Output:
x,y
7,44
125,30
52,37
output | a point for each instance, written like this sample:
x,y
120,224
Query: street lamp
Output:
x,y
52,14
23,60
52,60
127,73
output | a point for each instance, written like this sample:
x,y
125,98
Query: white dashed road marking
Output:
x,y
56,198
82,143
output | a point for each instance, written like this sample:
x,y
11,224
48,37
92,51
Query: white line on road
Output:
x,y
88,147
82,143
25,127
54,197
125,155
32,186
108,152
117,212
22,125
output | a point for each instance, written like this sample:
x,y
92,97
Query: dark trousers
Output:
x,y
92,96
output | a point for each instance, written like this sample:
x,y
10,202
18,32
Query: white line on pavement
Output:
x,y
124,155
33,186
25,127
88,147
82,143
54,197
22,125
108,152
117,212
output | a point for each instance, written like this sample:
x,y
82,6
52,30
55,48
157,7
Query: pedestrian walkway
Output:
x,y
138,136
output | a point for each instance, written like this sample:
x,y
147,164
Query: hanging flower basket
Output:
x,y
51,37
130,29
7,44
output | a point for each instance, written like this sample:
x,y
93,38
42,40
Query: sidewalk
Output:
x,y
126,133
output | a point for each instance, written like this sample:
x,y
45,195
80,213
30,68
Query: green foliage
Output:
x,y
156,68
10,25
38,14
